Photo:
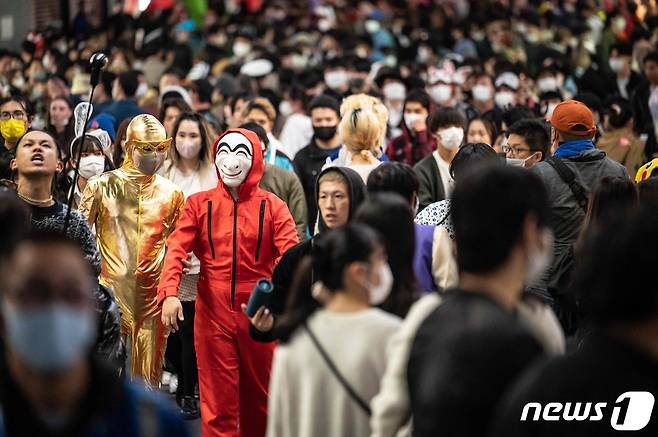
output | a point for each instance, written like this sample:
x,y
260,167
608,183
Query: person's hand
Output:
x,y
262,320
172,312
187,263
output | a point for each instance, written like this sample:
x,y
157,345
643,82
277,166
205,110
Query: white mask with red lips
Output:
x,y
234,158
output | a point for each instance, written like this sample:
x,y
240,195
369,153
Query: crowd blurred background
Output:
x,y
482,57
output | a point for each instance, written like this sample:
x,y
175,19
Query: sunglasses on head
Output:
x,y
148,147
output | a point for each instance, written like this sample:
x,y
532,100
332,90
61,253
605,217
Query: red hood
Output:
x,y
257,164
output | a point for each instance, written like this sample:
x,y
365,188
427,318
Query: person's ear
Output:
x,y
530,232
354,271
13,165
414,201
60,166
555,140
534,159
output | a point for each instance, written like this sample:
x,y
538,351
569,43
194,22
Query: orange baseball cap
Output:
x,y
574,118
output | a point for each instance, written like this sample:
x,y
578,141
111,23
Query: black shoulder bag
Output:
x,y
566,305
350,390
569,177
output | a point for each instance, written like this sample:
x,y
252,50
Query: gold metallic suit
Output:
x,y
134,213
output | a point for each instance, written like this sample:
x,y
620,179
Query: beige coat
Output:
x,y
623,146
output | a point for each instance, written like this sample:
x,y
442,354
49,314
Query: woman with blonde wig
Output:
x,y
363,130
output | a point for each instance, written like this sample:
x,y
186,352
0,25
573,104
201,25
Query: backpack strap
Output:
x,y
350,390
445,217
569,177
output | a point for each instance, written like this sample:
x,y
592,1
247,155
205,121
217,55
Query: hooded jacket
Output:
x,y
284,273
237,241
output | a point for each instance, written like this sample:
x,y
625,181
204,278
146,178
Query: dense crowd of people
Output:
x,y
454,201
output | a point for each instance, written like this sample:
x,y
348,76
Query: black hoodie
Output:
x,y
284,272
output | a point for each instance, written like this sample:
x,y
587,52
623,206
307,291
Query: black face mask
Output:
x,y
324,133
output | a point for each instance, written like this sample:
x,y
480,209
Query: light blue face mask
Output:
x,y
50,338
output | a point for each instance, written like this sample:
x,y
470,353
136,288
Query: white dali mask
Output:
x,y
234,158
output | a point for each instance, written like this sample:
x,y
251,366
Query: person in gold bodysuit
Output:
x,y
134,211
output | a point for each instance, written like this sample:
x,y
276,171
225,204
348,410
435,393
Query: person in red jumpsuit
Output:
x,y
239,232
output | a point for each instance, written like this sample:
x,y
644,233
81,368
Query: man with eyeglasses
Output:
x,y
15,120
528,142
134,211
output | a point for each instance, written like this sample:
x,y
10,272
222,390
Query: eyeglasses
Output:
x,y
515,150
16,115
148,147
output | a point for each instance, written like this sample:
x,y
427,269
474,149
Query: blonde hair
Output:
x,y
363,123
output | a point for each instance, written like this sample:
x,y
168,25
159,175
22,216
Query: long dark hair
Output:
x,y
489,126
332,252
390,215
90,144
205,152
119,154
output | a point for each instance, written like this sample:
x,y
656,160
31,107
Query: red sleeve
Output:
x,y
390,149
285,233
179,244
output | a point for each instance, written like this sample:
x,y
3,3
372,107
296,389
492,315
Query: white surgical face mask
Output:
x,y
547,84
504,99
234,158
441,93
424,54
616,64
298,62
324,25
394,117
142,88
377,294
410,118
481,93
241,48
372,26
91,166
540,258
391,60
452,137
49,338
285,108
18,81
519,162
335,79
394,91
188,149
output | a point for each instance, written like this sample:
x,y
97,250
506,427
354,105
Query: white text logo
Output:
x,y
631,411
